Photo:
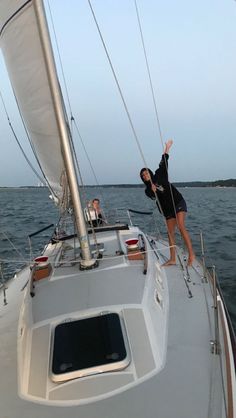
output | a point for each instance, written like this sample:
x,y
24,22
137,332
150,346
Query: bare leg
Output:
x,y
185,235
171,224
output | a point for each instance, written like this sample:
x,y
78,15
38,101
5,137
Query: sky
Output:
x,y
191,50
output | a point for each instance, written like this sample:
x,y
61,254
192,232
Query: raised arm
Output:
x,y
162,171
168,145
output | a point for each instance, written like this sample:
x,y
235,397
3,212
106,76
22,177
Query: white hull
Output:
x,y
172,372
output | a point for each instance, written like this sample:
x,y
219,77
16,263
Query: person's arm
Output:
x,y
168,145
162,171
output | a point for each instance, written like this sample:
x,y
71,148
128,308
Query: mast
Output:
x,y
67,155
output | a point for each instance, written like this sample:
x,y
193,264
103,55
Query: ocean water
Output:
x,y
210,210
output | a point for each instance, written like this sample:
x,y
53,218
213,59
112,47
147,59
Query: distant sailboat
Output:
x,y
94,327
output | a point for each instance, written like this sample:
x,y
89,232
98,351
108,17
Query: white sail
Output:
x,y
25,61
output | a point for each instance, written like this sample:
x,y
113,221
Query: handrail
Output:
x,y
203,257
185,275
106,228
40,230
227,382
216,342
230,325
140,212
216,346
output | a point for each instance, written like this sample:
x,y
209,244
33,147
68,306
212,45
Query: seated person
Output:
x,y
94,213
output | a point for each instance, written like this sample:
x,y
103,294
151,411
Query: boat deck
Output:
x,y
185,380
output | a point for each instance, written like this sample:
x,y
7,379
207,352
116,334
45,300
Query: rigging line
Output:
x,y
30,142
117,84
66,89
44,180
65,85
18,142
59,57
68,99
83,191
70,108
10,260
70,132
88,158
76,160
149,73
122,97
8,239
77,165
153,96
14,15
85,151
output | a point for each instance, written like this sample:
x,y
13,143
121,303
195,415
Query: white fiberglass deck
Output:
x,y
172,371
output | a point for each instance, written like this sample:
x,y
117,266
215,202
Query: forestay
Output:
x,y
25,61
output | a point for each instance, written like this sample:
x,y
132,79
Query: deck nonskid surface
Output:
x,y
84,291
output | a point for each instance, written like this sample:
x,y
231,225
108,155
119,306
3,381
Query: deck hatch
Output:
x,y
89,346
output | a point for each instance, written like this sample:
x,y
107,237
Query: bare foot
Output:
x,y
169,263
191,259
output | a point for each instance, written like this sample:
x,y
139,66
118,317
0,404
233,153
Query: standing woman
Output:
x,y
170,203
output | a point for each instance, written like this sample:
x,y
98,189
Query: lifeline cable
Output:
x,y
8,239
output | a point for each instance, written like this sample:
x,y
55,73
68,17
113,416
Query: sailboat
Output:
x,y
94,327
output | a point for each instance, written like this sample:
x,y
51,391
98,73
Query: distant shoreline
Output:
x,y
217,183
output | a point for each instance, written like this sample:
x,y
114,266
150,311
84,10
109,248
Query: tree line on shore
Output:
x,y
217,183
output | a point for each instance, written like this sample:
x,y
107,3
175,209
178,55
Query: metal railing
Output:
x,y
3,286
211,273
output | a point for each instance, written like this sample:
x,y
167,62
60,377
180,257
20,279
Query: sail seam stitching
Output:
x,y
14,15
